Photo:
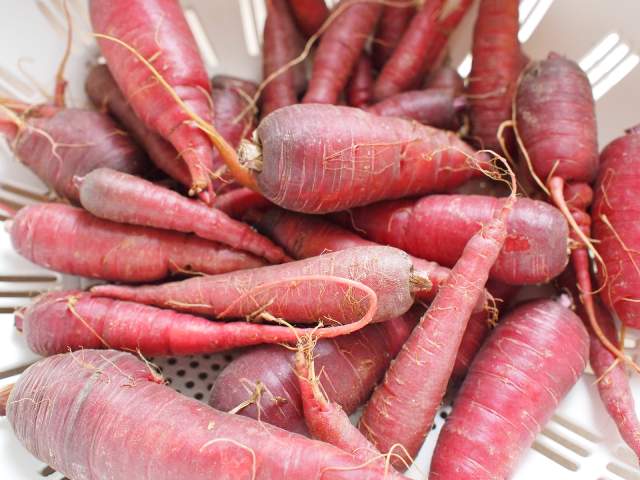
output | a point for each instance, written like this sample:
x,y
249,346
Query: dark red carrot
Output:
x,y
305,160
239,201
70,240
614,215
309,14
495,69
233,121
513,387
340,48
349,366
304,236
613,382
402,408
237,84
437,227
440,108
106,95
59,321
158,31
419,48
359,90
295,291
393,23
281,44
445,77
123,198
559,142
78,412
58,143
326,420
611,378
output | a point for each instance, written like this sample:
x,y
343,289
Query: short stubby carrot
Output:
x,y
303,160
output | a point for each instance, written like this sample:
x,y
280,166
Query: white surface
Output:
x,y
579,443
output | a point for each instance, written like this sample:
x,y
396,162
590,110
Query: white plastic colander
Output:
x,y
580,442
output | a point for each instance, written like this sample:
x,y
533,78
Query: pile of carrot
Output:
x,y
330,243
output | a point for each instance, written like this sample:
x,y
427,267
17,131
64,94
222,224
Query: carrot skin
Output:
x,y
60,143
304,236
158,30
236,84
327,421
618,244
350,367
559,141
339,50
392,25
402,70
514,385
535,250
613,383
359,91
124,198
309,14
419,49
59,321
105,94
236,203
313,164
70,240
120,406
283,291
281,43
495,69
445,77
402,407
439,108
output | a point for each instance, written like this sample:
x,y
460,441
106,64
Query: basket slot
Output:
x,y
623,472
551,454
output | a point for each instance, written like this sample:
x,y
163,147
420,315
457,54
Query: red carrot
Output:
x,y
612,380
360,87
124,198
402,408
419,48
306,161
70,240
392,25
86,409
513,387
237,84
445,77
261,383
239,201
437,227
281,44
106,95
304,236
340,48
495,69
326,420
296,291
615,229
440,108
59,321
58,143
309,14
158,31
